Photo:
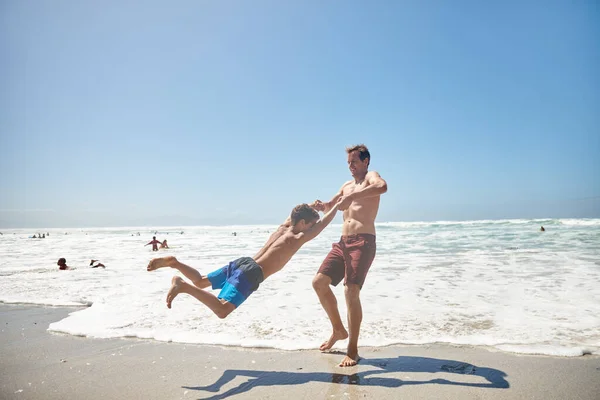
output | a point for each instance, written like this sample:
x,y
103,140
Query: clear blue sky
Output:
x,y
231,112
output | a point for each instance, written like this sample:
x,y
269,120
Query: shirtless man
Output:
x,y
243,276
154,243
351,257
62,264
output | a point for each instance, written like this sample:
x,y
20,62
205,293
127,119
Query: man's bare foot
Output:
x,y
335,336
350,360
176,284
160,262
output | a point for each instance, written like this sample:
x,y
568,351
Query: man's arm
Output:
x,y
376,186
319,225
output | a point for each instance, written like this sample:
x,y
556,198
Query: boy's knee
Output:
x,y
202,283
225,310
223,313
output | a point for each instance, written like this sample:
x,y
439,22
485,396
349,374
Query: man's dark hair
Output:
x,y
61,261
305,212
363,152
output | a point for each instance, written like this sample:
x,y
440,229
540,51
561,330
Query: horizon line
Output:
x,y
154,227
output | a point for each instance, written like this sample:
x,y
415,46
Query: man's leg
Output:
x,y
321,284
361,252
352,293
220,307
189,272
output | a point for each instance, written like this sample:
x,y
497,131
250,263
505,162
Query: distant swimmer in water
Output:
x,y
96,264
62,264
164,244
242,277
154,243
542,229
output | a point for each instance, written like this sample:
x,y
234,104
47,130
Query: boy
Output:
x,y
243,276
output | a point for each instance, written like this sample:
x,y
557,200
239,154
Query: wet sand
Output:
x,y
36,364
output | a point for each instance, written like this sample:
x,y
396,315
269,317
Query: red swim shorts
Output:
x,y
350,259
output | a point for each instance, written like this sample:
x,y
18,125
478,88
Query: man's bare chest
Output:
x,y
354,187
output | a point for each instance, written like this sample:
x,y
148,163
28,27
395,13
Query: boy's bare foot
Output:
x,y
176,284
350,360
335,336
160,262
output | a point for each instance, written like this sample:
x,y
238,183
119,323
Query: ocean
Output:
x,y
501,284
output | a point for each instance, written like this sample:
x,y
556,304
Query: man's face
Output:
x,y
355,165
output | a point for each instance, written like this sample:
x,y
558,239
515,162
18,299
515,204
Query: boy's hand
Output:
x,y
318,205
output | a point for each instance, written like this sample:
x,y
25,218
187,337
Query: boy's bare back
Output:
x,y
278,250
285,242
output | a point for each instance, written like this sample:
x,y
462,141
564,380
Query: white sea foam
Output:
x,y
500,283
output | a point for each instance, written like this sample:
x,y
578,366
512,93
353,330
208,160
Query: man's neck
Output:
x,y
360,178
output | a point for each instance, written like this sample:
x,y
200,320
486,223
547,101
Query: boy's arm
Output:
x,y
325,207
319,225
287,223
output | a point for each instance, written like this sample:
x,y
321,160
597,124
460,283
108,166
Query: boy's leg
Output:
x,y
191,273
221,308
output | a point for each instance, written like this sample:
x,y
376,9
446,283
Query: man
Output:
x,y
351,257
62,264
243,276
154,243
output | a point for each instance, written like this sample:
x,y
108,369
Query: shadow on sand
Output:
x,y
493,377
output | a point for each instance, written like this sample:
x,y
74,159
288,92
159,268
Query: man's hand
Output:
x,y
318,205
344,202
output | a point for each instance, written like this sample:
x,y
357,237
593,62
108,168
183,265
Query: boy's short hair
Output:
x,y
305,212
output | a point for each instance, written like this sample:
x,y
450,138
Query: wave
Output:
x,y
560,350
536,221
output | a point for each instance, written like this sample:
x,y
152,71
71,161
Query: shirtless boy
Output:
x,y
242,277
350,258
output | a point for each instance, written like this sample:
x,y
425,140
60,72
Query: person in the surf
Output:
x,y
154,243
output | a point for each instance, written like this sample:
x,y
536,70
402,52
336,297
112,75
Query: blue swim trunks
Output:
x,y
237,280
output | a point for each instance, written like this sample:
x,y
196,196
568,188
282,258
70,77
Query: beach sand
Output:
x,y
36,364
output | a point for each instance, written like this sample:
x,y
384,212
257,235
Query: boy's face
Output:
x,y
306,226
